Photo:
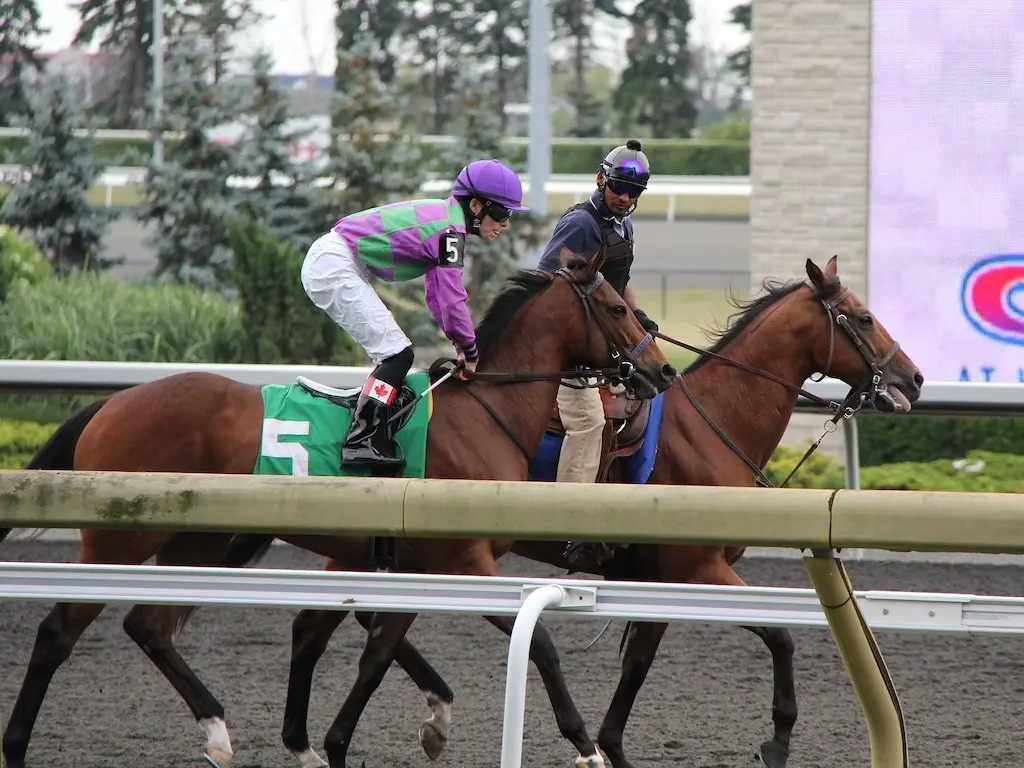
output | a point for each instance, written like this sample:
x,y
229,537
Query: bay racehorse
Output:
x,y
531,336
721,424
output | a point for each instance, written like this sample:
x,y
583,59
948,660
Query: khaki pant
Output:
x,y
583,418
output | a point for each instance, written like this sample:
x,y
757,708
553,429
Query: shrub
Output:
x,y
21,263
978,471
84,316
19,440
281,325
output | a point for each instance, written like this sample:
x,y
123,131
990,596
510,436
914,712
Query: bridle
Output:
x,y
869,391
623,369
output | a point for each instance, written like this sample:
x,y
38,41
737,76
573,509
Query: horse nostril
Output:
x,y
668,371
918,379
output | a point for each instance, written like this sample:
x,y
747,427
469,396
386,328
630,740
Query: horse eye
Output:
x,y
618,311
866,320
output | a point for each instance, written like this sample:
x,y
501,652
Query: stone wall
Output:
x,y
811,81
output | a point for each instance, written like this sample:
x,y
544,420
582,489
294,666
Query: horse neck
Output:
x,y
531,344
754,411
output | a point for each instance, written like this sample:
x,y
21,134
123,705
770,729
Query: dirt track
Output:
x,y
706,702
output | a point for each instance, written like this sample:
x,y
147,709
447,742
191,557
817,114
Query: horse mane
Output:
x,y
521,287
749,309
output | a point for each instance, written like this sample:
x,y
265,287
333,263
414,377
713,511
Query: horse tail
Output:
x,y
59,451
246,549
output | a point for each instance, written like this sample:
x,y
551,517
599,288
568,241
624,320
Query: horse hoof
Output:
x,y
309,759
218,758
432,740
594,761
772,755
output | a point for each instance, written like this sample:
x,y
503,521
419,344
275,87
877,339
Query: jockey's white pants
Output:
x,y
582,414
339,284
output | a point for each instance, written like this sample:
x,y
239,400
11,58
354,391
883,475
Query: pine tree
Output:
x,y
281,199
478,135
19,21
188,196
654,89
52,205
373,167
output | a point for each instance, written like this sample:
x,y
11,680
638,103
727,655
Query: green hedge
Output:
x,y
19,440
978,471
669,157
888,439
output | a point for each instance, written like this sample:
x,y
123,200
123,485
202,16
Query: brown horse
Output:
x,y
530,337
720,427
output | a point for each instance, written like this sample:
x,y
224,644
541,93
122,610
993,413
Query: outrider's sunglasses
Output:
x,y
619,187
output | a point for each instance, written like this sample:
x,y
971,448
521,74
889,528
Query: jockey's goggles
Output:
x,y
620,187
496,211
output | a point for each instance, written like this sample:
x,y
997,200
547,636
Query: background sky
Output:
x,y
300,33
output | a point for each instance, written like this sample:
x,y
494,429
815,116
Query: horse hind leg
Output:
x,y
311,632
433,733
386,632
55,640
567,717
153,628
775,753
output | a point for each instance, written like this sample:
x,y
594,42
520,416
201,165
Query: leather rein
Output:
x,y
868,391
623,367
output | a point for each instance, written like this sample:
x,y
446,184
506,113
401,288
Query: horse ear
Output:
x,y
565,256
814,274
832,269
596,261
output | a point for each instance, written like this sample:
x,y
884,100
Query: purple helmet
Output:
x,y
492,182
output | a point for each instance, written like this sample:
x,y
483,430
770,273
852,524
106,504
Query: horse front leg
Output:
x,y
641,647
775,753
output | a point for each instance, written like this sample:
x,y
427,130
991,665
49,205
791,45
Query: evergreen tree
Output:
x,y
654,90
739,60
370,155
443,33
574,20
188,197
52,206
19,21
215,21
478,134
281,199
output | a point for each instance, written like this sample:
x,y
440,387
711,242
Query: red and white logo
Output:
x,y
379,390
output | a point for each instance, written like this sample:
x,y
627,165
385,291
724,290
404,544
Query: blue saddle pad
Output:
x,y
635,469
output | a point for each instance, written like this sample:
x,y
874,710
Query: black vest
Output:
x,y
618,256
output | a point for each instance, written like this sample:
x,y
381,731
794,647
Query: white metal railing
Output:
x,y
524,598
579,186
940,398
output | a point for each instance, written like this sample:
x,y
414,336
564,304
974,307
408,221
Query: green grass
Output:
x,y
684,315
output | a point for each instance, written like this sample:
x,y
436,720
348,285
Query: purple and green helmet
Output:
x,y
495,184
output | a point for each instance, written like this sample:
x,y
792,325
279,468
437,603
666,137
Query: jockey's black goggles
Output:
x,y
620,187
496,211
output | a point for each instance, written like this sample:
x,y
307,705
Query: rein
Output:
x,y
842,410
623,366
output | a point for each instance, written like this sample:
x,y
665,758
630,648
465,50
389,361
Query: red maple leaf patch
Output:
x,y
381,390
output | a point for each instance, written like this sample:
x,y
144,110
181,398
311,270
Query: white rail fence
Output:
x,y
579,186
526,599
795,518
938,399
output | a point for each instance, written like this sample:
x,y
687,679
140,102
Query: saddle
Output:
x,y
347,398
625,425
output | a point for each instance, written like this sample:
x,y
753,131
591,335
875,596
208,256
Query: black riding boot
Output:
x,y
369,442
587,556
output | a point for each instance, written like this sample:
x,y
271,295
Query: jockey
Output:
x,y
601,221
396,242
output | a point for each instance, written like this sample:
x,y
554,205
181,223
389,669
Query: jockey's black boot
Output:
x,y
369,442
587,556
